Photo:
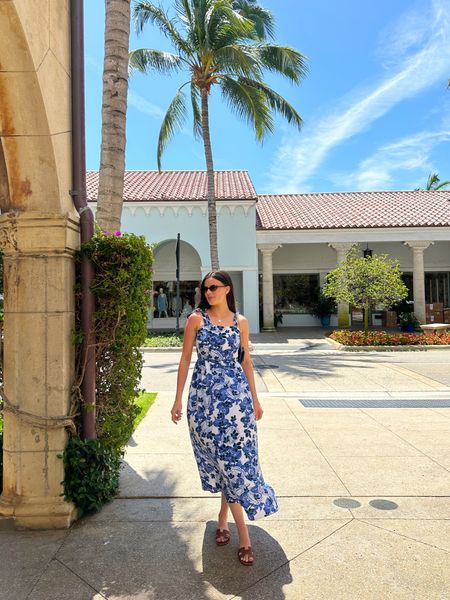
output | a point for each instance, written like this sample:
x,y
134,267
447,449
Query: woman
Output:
x,y
222,410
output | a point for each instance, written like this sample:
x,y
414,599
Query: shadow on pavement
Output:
x,y
222,569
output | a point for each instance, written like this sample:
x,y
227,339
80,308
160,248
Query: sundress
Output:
x,y
222,423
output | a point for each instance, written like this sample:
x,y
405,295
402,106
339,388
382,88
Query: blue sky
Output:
x,y
375,103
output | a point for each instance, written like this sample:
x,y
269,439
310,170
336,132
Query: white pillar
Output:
x,y
251,303
267,251
342,249
419,277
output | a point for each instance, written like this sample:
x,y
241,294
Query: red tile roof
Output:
x,y
354,209
148,186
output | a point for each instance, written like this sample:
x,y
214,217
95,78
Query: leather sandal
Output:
x,y
222,537
246,553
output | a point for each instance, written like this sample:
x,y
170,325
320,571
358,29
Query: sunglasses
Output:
x,y
212,288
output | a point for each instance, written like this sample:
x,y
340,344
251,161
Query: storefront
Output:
x,y
279,248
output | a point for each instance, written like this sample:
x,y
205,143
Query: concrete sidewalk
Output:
x,y
364,496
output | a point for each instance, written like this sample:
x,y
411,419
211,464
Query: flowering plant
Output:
x,y
383,338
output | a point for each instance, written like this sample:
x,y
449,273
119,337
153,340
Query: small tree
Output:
x,y
366,282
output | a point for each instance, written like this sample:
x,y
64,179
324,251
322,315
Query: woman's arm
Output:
x,y
193,322
247,366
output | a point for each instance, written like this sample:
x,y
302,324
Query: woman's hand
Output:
x,y
257,409
176,412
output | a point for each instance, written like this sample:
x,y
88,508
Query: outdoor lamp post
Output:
x,y
367,252
177,302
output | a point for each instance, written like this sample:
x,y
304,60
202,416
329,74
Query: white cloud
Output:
x,y
411,154
300,156
144,106
135,100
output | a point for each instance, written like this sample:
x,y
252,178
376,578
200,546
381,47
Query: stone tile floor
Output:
x,y
364,497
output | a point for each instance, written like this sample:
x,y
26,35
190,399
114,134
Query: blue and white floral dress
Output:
x,y
222,423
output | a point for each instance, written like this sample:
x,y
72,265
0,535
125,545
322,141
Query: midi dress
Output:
x,y
222,422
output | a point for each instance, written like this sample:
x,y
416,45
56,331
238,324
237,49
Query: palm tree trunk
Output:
x,y
114,113
211,191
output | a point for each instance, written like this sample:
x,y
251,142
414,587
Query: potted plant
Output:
x,y
408,322
323,309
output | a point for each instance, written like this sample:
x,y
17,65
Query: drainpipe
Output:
x,y
78,194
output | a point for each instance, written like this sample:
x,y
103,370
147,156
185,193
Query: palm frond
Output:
x,y
433,180
276,102
197,116
173,121
283,60
145,12
262,19
248,103
441,185
223,24
184,11
147,59
237,59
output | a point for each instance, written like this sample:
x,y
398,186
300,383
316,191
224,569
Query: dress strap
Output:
x,y
204,314
236,319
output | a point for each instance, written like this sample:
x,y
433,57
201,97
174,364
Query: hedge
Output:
x,y
383,338
122,284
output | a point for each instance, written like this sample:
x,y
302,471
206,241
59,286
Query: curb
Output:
x,y
162,349
409,348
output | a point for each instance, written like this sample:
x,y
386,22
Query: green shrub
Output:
x,y
91,474
121,288
1,455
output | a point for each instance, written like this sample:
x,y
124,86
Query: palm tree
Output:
x,y
434,183
216,46
262,19
114,111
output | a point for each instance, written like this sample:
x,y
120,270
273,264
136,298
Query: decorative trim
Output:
x,y
232,205
363,235
418,245
8,237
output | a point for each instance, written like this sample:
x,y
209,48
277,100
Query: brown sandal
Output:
x,y
222,537
246,553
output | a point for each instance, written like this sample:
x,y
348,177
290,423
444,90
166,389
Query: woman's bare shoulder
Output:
x,y
196,317
242,320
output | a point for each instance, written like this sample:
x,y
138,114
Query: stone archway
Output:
x,y
39,235
164,266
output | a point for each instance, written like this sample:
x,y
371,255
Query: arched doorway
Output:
x,y
165,303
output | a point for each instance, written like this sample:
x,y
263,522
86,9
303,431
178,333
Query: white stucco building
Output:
x,y
278,248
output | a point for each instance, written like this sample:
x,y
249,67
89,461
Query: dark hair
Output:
x,y
224,278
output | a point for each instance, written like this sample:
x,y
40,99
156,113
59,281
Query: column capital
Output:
x,y
268,248
35,232
418,244
342,246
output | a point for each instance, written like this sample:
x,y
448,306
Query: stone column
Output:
x,y
267,251
342,248
419,277
251,302
38,367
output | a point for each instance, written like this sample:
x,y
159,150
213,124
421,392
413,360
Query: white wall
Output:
x,y
315,258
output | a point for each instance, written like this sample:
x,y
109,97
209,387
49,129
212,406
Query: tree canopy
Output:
x,y
366,282
218,44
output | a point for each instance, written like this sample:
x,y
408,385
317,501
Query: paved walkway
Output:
x,y
364,493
